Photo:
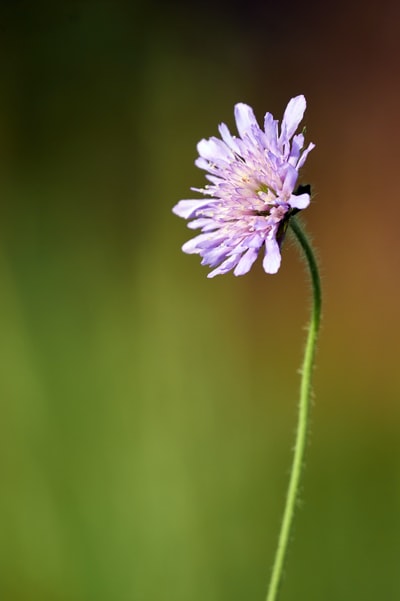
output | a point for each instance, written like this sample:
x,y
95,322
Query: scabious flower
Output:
x,y
251,195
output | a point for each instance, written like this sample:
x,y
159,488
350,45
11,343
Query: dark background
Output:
x,y
147,413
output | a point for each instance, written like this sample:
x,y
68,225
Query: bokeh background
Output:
x,y
147,413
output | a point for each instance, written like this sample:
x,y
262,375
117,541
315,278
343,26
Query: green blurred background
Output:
x,y
147,413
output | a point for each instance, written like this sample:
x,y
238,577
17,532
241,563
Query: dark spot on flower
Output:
x,y
302,189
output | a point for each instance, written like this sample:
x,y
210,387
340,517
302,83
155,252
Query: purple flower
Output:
x,y
251,196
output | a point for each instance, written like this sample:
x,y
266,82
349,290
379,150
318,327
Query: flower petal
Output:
x,y
272,258
214,150
246,261
304,155
293,115
271,131
290,181
202,163
227,137
215,256
245,119
188,208
192,246
297,145
226,266
300,201
202,222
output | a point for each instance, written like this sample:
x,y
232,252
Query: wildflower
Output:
x,y
251,196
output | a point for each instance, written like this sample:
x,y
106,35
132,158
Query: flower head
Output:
x,y
251,196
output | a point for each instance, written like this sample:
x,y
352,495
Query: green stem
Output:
x,y
304,409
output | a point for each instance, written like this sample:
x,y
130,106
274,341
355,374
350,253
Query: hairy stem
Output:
x,y
303,416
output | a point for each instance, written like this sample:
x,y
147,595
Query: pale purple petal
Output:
x,y
245,119
272,258
300,201
215,256
289,183
297,145
192,246
293,115
202,163
214,179
226,266
271,130
214,150
202,222
304,155
255,241
246,262
227,137
188,208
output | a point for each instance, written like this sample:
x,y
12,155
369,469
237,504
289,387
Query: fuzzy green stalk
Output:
x,y
303,416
